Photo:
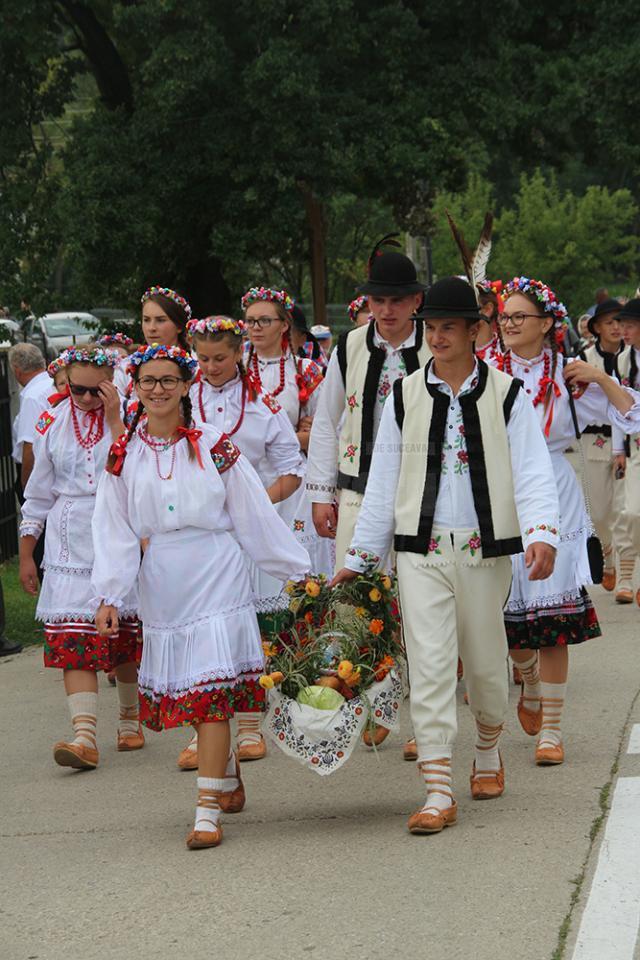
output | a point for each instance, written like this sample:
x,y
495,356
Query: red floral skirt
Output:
x,y
562,626
76,645
201,706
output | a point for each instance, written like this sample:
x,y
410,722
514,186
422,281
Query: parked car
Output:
x,y
54,332
10,330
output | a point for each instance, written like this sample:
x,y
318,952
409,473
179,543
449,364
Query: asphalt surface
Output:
x,y
94,864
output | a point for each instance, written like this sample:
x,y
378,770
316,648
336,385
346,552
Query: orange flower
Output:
x,y
345,669
383,667
376,627
353,679
309,616
312,589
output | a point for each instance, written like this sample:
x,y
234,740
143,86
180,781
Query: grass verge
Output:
x,y
19,607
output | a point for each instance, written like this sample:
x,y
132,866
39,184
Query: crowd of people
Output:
x,y
169,491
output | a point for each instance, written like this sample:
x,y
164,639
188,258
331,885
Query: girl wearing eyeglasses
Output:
x,y
198,501
224,395
70,454
295,383
543,618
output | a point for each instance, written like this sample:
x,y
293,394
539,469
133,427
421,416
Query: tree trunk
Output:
x,y
207,290
317,246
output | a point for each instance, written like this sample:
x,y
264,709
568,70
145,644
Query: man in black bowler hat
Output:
x,y
461,479
360,376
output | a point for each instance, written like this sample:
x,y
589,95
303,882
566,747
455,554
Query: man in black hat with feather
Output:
x,y
461,478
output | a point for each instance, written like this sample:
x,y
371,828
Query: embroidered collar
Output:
x,y
469,384
379,341
269,361
534,361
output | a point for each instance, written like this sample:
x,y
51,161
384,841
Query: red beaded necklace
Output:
x,y
96,427
258,379
160,446
543,383
203,417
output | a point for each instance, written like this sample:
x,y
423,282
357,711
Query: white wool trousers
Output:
x,y
349,503
452,602
607,497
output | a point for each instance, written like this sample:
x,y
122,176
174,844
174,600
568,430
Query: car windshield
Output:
x,y
65,326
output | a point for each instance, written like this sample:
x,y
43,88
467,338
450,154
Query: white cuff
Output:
x,y
320,493
360,561
541,533
31,528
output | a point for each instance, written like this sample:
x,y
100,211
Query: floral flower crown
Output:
x,y
95,355
217,325
119,339
356,306
543,294
170,294
158,352
265,293
495,287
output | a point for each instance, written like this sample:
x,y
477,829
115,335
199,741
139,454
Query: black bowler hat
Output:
x,y
299,319
630,311
607,306
391,274
450,297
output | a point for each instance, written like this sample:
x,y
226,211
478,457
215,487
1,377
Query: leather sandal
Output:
x,y
252,749
609,580
75,755
487,784
624,595
201,839
410,750
375,738
530,720
188,759
432,819
130,741
549,754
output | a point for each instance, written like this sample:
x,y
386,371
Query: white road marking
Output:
x,y
634,739
609,925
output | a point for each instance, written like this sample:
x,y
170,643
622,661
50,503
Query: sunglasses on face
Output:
x,y
78,390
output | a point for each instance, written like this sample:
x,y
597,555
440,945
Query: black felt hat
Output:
x,y
630,311
299,319
391,273
450,297
607,306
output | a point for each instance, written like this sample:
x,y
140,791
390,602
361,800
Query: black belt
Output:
x,y
605,430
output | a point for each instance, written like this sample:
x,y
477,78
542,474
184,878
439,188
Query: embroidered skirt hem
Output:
x,y
219,703
571,622
75,645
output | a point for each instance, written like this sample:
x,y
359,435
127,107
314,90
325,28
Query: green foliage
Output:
x,y
574,243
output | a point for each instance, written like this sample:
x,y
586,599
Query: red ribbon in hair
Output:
x,y
118,450
556,392
57,398
193,435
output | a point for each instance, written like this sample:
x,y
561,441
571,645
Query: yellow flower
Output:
x,y
269,649
375,595
312,589
345,669
353,679
361,612
266,682
386,583
290,589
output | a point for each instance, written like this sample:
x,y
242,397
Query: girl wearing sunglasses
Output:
x,y
70,454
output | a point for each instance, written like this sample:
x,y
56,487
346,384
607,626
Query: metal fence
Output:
x,y
8,513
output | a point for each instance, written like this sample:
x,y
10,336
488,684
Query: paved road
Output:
x,y
94,864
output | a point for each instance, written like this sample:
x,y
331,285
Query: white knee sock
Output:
x,y
487,756
437,779
249,727
193,743
208,809
626,573
530,673
553,695
83,708
129,708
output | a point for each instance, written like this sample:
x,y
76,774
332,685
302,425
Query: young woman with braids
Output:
x,y
200,504
70,454
223,395
295,383
544,617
